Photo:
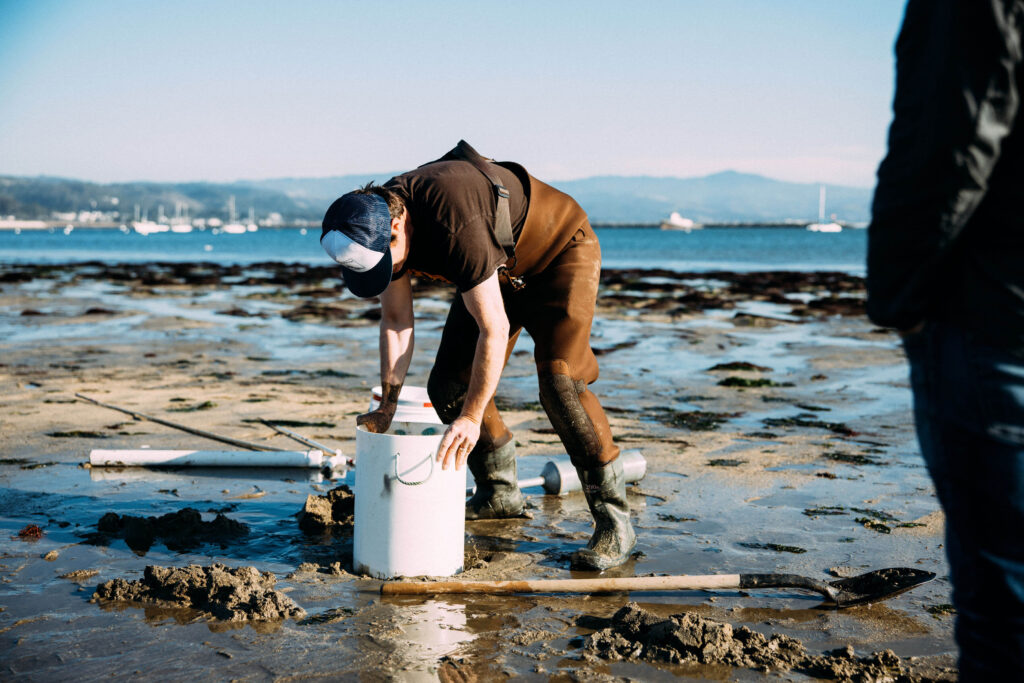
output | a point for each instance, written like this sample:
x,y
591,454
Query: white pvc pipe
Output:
x,y
151,457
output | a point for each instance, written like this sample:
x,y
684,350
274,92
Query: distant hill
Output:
x,y
721,197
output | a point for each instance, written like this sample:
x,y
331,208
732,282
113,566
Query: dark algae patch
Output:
x,y
205,405
78,434
825,510
635,634
294,423
696,420
739,365
798,421
942,610
775,547
673,518
225,593
852,458
751,382
181,530
725,462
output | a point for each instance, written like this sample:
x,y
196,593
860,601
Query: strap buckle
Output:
x,y
514,281
502,191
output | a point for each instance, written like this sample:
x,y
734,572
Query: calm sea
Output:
x,y
735,249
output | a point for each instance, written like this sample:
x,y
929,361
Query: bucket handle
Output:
x,y
413,483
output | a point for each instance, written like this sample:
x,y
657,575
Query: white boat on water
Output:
x,y
233,227
821,225
145,227
676,222
251,225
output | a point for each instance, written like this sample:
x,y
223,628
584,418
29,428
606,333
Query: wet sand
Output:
x,y
794,454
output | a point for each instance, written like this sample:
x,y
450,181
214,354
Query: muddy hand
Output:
x,y
376,421
458,440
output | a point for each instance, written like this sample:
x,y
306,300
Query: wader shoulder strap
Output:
x,y
502,216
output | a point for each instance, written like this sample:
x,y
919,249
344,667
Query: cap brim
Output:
x,y
372,282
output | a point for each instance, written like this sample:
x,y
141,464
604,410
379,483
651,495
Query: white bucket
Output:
x,y
413,405
410,515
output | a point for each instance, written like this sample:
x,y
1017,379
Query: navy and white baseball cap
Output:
x,y
357,234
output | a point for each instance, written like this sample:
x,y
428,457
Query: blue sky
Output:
x,y
117,90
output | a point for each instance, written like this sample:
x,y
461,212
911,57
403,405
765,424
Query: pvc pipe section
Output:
x,y
559,476
151,457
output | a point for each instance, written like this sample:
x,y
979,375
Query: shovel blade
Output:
x,y
878,585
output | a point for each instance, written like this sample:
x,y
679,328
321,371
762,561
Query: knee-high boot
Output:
x,y
614,538
497,485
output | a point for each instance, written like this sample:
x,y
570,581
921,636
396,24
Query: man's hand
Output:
x,y
458,440
376,421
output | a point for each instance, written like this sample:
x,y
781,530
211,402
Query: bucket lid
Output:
x,y
409,396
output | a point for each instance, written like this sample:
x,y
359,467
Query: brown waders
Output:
x,y
556,307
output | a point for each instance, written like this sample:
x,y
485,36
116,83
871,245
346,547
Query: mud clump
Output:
x,y
332,512
240,594
636,634
180,530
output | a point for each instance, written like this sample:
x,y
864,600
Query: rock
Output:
x,y
228,594
51,556
335,510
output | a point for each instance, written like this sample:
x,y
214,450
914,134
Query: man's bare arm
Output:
x,y
485,304
396,346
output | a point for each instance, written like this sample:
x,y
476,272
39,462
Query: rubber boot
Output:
x,y
614,538
497,485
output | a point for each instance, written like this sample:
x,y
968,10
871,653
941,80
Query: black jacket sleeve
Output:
x,y
957,97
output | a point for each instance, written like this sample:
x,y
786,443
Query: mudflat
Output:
x,y
775,420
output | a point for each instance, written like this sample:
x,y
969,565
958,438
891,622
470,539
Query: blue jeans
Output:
x,y
969,410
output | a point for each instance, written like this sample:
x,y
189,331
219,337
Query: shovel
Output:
x,y
855,590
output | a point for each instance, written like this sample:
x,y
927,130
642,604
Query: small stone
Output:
x,y
51,556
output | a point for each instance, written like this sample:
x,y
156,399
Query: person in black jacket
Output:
x,y
946,268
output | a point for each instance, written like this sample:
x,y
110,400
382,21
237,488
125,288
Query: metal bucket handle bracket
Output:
x,y
398,455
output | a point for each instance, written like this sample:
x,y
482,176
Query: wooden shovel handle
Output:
x,y
629,583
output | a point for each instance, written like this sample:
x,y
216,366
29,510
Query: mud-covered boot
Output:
x,y
497,485
614,538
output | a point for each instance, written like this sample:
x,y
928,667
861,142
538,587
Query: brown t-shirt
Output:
x,y
452,207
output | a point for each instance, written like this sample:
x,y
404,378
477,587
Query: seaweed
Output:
x,y
940,610
752,382
875,514
673,518
292,423
725,462
825,510
775,547
852,458
836,427
739,365
697,420
874,525
78,434
205,405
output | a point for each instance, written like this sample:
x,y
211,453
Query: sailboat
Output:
x,y
821,225
232,227
251,225
180,223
